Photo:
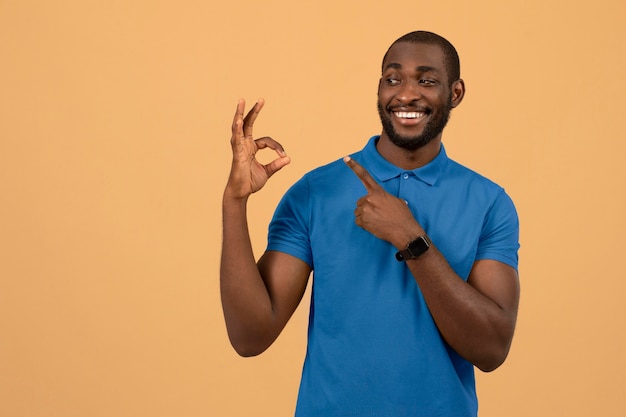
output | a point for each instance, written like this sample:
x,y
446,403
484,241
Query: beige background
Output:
x,y
114,128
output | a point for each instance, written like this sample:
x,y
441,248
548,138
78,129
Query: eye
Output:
x,y
392,81
427,81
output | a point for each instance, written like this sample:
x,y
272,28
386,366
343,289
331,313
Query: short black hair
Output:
x,y
451,57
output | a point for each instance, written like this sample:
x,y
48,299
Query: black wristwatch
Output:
x,y
414,249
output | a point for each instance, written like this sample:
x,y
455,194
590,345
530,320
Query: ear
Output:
x,y
458,92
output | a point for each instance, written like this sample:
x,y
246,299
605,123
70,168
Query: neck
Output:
x,y
406,158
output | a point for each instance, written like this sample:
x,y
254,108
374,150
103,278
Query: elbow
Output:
x,y
489,366
247,353
247,347
495,349
248,339
247,350
493,358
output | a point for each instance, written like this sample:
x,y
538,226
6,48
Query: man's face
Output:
x,y
414,97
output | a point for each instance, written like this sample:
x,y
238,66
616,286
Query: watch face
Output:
x,y
414,249
418,246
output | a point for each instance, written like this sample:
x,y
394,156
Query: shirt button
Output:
x,y
405,176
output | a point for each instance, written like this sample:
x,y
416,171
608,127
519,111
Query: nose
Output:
x,y
408,92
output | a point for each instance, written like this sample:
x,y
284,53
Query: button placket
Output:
x,y
403,186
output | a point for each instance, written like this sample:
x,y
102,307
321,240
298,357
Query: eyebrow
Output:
x,y
421,68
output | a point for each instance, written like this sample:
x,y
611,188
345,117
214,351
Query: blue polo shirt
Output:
x,y
373,347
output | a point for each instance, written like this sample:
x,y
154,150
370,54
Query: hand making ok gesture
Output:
x,y
247,175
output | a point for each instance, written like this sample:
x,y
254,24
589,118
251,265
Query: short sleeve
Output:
x,y
499,239
289,228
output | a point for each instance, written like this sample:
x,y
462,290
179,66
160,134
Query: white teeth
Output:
x,y
408,115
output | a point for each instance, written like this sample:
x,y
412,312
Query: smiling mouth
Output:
x,y
409,115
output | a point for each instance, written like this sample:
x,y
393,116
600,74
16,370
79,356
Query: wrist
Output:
x,y
233,200
408,235
414,249
234,194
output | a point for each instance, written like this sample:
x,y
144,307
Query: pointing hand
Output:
x,y
380,213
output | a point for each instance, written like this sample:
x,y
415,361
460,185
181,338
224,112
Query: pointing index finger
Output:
x,y
368,181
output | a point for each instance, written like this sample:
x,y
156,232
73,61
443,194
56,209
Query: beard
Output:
x,y
432,129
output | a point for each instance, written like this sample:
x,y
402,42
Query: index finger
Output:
x,y
368,181
238,119
248,122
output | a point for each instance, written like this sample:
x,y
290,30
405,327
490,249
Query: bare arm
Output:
x,y
477,318
257,300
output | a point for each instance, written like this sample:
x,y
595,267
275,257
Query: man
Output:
x,y
415,256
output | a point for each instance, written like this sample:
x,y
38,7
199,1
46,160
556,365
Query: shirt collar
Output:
x,y
384,170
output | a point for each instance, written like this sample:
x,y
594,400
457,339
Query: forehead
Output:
x,y
414,55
